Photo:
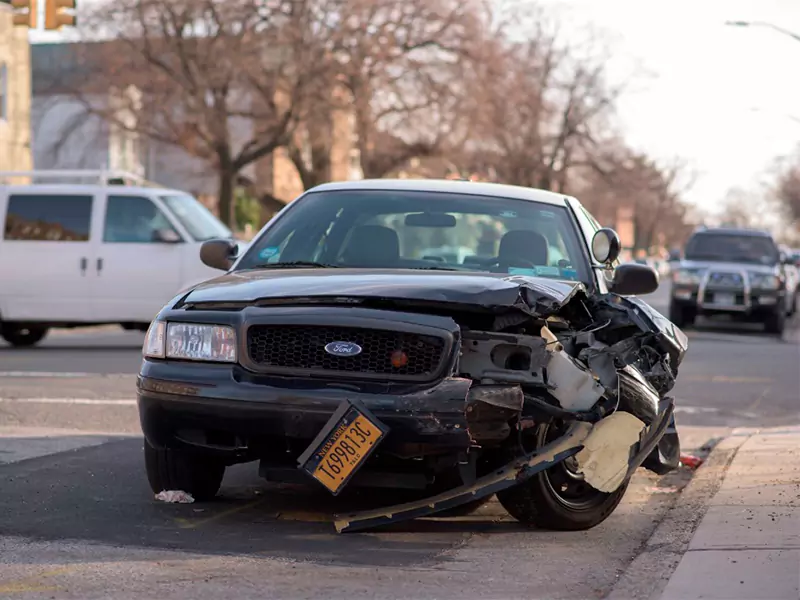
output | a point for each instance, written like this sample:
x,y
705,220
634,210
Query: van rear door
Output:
x,y
48,244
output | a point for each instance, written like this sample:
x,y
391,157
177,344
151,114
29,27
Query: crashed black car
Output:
x,y
460,339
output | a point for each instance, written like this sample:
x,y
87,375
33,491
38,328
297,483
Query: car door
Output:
x,y
138,264
48,244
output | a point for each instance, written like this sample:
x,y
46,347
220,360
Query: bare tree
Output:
x,y
538,105
787,190
226,82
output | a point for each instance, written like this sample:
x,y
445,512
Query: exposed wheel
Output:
x,y
681,316
776,321
197,474
21,336
559,498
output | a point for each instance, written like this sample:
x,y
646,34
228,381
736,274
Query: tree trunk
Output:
x,y
227,210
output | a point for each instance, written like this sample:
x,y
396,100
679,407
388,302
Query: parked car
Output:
x,y
76,254
740,273
334,355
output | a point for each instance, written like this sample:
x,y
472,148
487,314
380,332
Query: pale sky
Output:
x,y
721,97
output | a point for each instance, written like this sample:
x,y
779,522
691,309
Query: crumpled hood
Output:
x,y
531,294
727,266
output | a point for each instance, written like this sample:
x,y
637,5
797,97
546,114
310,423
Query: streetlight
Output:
x,y
764,24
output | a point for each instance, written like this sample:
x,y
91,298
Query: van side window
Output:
x,y
48,218
133,220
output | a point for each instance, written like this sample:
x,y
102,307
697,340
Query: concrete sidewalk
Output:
x,y
747,545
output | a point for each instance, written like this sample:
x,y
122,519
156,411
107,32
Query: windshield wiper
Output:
x,y
434,269
295,264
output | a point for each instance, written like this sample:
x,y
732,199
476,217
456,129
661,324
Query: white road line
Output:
x,y
86,401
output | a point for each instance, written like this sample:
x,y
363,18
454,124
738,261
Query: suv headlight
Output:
x,y
687,276
764,281
190,341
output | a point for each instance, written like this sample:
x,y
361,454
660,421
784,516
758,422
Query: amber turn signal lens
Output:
x,y
399,359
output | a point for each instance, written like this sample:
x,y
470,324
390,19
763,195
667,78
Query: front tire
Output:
x,y
22,337
776,321
558,498
197,474
681,316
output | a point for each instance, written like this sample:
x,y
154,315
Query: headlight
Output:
x,y
764,281
190,341
686,276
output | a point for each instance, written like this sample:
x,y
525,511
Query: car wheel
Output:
x,y
776,322
559,498
22,337
681,316
196,474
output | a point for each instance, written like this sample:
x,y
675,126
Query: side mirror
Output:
x,y
219,254
632,279
606,246
166,236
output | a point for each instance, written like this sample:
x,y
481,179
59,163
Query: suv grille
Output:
x,y
285,348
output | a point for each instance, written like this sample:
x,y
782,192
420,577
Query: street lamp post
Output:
x,y
791,34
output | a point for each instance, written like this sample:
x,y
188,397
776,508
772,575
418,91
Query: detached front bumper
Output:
x,y
224,409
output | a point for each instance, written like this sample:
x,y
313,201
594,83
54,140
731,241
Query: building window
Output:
x,y
4,92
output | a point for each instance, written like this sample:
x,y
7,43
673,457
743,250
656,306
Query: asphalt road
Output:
x,y
77,519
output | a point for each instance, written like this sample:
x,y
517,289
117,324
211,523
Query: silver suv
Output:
x,y
735,272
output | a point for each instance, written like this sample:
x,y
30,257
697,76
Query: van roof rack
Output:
x,y
80,176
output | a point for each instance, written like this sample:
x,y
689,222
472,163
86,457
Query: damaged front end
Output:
x,y
595,369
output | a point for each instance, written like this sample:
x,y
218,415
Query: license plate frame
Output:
x,y
316,460
724,299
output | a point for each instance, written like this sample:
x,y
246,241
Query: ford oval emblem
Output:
x,y
343,349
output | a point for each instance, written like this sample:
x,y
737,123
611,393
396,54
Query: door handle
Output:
x,y
84,263
99,264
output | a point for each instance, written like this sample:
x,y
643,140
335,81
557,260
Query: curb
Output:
x,y
647,575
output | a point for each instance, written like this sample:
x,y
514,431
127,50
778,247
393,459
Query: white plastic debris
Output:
x,y
174,497
607,450
574,387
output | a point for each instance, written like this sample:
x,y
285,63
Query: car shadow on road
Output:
x,y
100,494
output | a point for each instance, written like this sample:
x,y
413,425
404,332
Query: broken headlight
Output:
x,y
191,341
764,281
687,276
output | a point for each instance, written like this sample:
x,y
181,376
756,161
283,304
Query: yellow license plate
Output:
x,y
342,447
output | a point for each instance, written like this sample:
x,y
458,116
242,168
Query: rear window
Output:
x,y
732,247
48,218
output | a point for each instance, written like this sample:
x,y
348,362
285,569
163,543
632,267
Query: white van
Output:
x,y
100,253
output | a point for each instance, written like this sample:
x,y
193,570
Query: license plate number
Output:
x,y
725,299
342,447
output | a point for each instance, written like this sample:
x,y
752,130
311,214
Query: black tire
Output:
x,y
197,474
23,337
558,498
776,321
681,316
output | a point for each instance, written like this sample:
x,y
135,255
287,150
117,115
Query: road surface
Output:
x,y
77,519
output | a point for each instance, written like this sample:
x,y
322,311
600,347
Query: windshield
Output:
x,y
727,247
201,224
423,230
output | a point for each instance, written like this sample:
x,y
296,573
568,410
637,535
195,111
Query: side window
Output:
x,y
133,220
50,218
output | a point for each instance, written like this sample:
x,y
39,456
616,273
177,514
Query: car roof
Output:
x,y
477,188
733,231
67,189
